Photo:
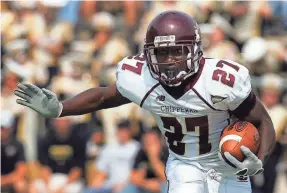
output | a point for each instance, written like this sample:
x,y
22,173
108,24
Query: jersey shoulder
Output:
x,y
226,81
133,78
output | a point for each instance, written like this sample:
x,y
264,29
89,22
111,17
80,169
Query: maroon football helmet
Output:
x,y
173,47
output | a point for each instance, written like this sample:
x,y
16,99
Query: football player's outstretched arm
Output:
x,y
92,100
46,103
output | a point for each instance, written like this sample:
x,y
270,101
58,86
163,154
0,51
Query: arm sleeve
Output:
x,y
133,81
246,106
241,89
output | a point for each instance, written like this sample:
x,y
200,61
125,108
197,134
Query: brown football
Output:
x,y
237,134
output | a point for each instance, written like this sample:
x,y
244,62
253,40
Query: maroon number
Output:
x,y
139,65
139,57
223,62
174,138
200,123
221,75
174,135
136,69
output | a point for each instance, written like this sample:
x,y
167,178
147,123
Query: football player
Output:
x,y
192,99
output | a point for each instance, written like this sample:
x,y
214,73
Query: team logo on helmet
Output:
x,y
160,39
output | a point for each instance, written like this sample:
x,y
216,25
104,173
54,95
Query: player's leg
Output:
x,y
235,185
184,178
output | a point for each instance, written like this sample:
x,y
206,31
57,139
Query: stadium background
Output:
x,y
70,46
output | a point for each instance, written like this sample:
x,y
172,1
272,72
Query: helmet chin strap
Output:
x,y
182,74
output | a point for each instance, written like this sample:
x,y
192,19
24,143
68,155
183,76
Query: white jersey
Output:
x,y
191,124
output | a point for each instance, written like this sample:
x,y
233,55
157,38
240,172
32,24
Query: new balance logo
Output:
x,y
160,98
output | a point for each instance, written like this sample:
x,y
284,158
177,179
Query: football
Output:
x,y
237,134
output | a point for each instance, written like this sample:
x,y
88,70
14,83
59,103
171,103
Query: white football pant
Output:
x,y
189,178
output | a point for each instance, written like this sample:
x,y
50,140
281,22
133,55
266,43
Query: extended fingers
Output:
x,y
33,88
27,89
48,93
22,95
22,87
24,103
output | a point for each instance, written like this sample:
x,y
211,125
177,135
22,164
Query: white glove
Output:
x,y
42,101
251,166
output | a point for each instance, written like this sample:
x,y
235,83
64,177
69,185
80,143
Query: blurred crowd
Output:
x,y
70,46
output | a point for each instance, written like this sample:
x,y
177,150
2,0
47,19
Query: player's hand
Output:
x,y
42,101
251,166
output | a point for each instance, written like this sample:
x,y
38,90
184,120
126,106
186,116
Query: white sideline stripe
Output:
x,y
229,137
